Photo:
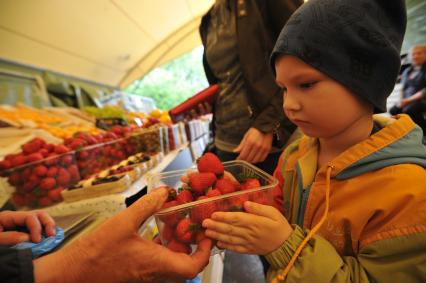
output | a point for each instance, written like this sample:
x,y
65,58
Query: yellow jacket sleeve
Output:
x,y
401,259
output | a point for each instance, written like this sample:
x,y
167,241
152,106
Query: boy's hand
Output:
x,y
34,221
260,231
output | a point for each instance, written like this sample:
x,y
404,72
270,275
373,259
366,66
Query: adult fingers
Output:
x,y
189,266
47,221
11,238
147,205
34,226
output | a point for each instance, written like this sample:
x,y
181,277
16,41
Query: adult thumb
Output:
x,y
146,206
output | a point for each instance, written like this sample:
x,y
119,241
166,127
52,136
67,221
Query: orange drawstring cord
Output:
x,y
281,277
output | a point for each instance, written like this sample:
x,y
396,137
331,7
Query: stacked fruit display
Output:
x,y
40,172
213,187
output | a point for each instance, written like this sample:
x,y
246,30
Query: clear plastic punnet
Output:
x,y
196,211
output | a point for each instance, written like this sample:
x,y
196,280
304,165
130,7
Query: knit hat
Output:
x,y
355,42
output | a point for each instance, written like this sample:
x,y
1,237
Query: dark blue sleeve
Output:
x,y
16,266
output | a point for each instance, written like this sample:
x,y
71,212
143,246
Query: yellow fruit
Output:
x,y
156,113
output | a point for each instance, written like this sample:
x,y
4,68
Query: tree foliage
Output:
x,y
173,82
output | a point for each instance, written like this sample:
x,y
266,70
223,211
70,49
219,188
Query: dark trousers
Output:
x,y
268,165
416,111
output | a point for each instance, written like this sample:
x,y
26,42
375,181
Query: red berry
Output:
x,y
203,210
47,183
185,230
184,196
199,182
209,162
60,149
172,218
226,186
52,172
213,193
40,170
55,194
250,183
179,247
34,157
44,201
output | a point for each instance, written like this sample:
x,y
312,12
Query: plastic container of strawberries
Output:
x,y
167,219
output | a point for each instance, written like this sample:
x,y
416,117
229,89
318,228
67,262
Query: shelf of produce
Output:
x,y
110,205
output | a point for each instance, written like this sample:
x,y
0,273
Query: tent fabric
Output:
x,y
111,42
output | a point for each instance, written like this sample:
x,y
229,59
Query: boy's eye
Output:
x,y
307,85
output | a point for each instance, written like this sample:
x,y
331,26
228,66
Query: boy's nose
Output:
x,y
291,103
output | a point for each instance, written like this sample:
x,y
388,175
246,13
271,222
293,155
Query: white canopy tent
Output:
x,y
112,42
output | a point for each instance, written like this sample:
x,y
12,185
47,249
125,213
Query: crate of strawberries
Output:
x,y
197,193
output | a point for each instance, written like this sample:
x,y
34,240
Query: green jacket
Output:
x,y
375,229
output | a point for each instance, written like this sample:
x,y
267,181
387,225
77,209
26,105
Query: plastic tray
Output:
x,y
239,169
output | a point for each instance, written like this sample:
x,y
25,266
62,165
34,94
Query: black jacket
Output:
x,y
16,266
259,23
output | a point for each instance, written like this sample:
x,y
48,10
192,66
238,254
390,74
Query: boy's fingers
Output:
x,y
11,238
224,228
261,210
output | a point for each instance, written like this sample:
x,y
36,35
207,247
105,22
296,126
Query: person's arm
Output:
x,y
391,260
16,265
414,98
115,252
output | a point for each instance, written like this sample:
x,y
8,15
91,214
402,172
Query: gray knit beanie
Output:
x,y
355,42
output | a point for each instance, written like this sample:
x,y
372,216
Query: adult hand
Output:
x,y
34,221
115,252
260,231
255,146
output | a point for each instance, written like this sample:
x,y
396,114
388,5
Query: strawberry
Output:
x,y
236,203
172,218
185,230
19,199
34,157
75,175
26,173
47,183
63,177
67,159
5,164
261,197
40,170
18,160
199,182
179,247
209,162
15,179
171,193
52,172
50,147
250,183
44,201
203,210
167,233
55,194
34,179
226,186
33,146
27,187
184,196
51,159
213,193
44,152
200,235
60,149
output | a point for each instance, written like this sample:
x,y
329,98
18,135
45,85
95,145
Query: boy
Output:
x,y
354,187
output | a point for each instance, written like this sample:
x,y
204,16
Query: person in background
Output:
x,y
113,252
413,93
238,37
353,187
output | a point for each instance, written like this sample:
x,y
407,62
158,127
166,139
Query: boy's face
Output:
x,y
318,105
